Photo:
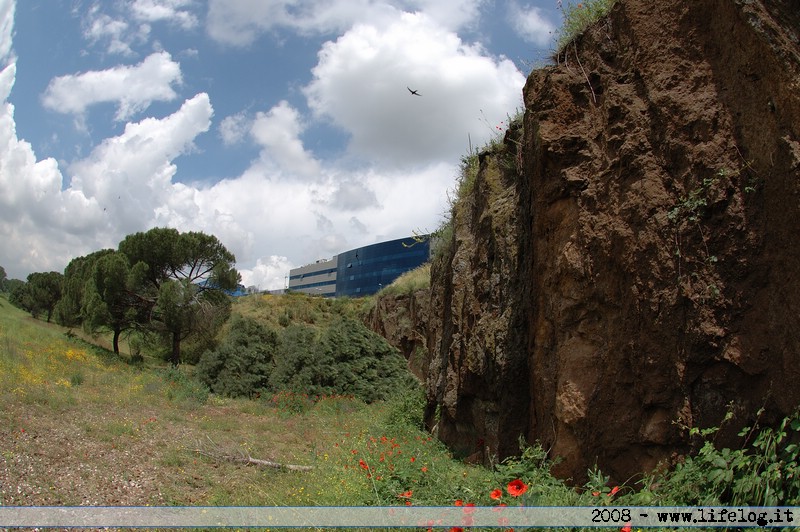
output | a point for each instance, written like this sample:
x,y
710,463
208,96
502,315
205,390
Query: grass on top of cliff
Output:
x,y
417,279
577,19
277,311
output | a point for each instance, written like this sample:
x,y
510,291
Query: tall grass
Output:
x,y
577,19
409,282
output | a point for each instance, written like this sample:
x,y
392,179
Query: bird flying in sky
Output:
x,y
415,93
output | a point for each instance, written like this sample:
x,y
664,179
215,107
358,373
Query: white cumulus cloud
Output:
x,y
240,22
278,132
268,272
234,128
174,11
131,174
531,24
132,88
360,84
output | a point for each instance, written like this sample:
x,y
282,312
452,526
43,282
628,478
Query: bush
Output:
x,y
407,410
299,365
346,358
764,472
242,364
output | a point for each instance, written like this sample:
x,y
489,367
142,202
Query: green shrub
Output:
x,y
242,364
299,364
183,388
764,472
345,358
406,410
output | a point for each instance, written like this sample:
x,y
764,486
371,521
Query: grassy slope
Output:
x,y
80,426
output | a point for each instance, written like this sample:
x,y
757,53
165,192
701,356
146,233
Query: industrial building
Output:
x,y
318,278
362,271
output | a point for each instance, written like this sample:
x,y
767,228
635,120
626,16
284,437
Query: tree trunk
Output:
x,y
175,357
116,341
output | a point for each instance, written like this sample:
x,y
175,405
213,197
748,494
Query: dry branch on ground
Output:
x,y
215,452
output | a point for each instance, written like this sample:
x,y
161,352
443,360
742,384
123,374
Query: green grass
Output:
x,y
277,311
417,279
578,16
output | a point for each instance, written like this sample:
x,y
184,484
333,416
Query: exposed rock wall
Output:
x,y
477,378
403,320
628,265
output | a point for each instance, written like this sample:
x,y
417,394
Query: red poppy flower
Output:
x,y
456,529
613,491
496,494
516,488
405,494
363,464
424,469
459,502
626,528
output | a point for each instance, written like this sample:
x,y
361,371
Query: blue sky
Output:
x,y
282,127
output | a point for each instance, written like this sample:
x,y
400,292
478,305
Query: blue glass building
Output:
x,y
366,270
362,271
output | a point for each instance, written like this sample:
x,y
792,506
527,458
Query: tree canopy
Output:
x,y
76,275
107,301
181,279
40,294
161,282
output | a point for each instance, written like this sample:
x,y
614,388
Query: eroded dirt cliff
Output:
x,y
625,266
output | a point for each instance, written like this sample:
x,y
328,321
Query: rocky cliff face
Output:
x,y
403,320
662,159
478,377
625,266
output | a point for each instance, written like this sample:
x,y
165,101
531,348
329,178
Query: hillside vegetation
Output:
x,y
80,425
301,344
